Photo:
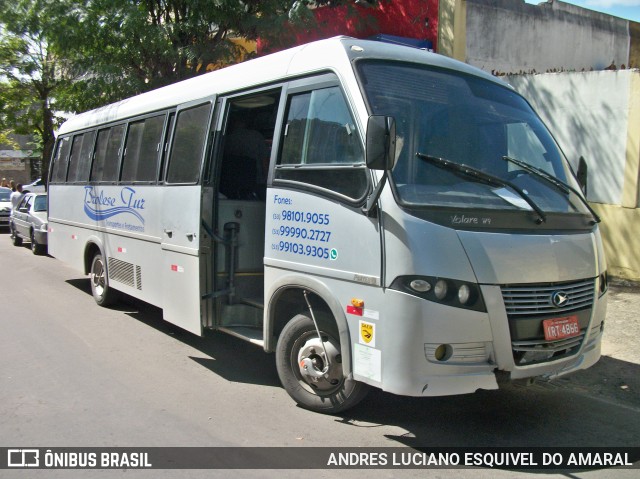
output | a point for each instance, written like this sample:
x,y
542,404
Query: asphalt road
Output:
x,y
73,374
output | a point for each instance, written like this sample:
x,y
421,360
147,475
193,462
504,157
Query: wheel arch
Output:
x,y
92,247
287,300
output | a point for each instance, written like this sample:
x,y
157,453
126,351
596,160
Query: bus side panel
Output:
x,y
181,285
121,221
62,211
180,223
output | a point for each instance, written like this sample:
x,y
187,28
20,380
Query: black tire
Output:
x,y
15,239
328,394
36,248
103,294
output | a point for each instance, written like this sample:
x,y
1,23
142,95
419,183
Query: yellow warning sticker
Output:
x,y
367,333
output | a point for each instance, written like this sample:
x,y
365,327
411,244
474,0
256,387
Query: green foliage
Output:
x,y
29,70
74,55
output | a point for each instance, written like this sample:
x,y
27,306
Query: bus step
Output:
x,y
248,333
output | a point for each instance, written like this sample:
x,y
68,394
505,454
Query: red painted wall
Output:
x,y
403,18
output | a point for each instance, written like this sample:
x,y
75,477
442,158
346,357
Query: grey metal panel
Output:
x,y
500,258
321,236
180,264
415,246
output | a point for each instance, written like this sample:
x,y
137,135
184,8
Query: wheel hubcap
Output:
x,y
319,371
97,278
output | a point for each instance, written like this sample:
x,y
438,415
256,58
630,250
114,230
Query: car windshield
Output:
x,y
467,120
40,203
4,195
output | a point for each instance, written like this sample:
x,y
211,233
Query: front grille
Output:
x,y
528,305
535,300
548,346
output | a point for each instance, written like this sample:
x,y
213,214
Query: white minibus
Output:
x,y
376,215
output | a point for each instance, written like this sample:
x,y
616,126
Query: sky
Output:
x,y
629,9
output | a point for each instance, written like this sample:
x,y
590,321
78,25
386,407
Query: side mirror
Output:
x,y
381,142
582,174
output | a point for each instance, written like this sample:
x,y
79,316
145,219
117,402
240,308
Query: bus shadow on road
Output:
x,y
222,351
592,408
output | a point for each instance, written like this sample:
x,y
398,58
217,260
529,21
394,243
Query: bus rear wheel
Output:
x,y
312,374
102,292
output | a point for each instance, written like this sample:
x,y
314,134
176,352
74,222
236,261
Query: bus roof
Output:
x,y
333,54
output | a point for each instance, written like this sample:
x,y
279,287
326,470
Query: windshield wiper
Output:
x,y
560,185
481,176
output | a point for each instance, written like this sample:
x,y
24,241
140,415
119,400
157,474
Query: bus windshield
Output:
x,y
466,120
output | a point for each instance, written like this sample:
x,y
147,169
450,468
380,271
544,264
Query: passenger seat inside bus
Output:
x,y
245,151
239,178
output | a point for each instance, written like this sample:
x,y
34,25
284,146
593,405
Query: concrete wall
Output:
x,y
620,229
18,160
452,26
512,36
16,168
597,115
588,113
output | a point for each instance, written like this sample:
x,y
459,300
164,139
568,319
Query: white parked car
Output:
x,y
37,186
29,222
5,206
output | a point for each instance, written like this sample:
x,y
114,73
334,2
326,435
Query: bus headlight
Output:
x,y
441,289
464,294
460,294
420,285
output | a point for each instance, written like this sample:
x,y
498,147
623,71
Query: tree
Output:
x,y
126,47
74,55
30,72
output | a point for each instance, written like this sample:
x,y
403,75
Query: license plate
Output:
x,y
560,328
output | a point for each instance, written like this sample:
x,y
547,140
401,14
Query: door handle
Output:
x,y
169,233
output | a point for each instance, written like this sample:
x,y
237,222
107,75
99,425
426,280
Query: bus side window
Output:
x,y
188,145
142,150
80,159
107,157
59,170
165,145
319,140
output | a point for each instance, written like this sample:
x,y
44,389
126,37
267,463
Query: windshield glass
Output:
x,y
40,203
4,195
468,121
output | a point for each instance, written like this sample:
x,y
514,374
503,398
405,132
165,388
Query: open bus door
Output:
x,y
181,216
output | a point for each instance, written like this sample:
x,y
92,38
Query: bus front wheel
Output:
x,y
102,292
311,370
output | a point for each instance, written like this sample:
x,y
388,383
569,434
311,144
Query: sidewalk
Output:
x,y
616,377
622,327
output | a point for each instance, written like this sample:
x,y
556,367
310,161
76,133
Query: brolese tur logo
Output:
x,y
100,206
